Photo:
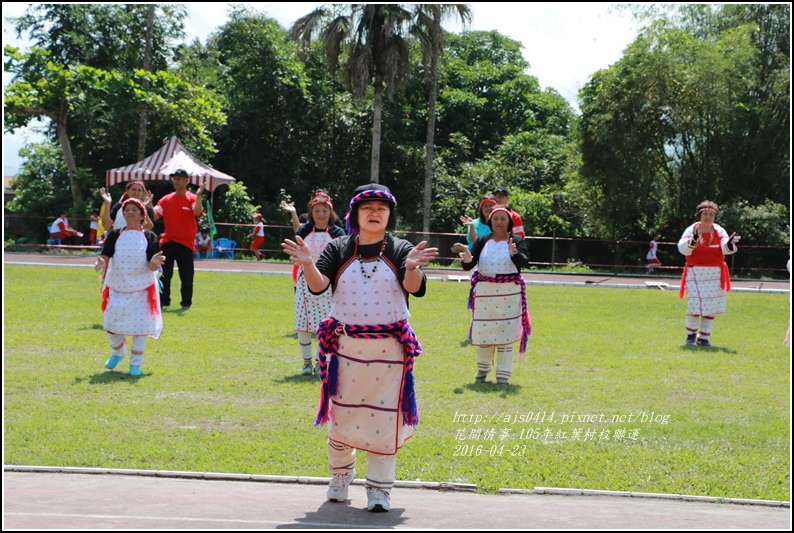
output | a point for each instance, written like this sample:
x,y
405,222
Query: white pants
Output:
x,y
381,469
118,347
702,325
504,360
305,343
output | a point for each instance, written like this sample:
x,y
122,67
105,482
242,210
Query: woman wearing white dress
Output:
x,y
130,299
310,309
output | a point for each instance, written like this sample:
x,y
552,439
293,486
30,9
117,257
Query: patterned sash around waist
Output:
x,y
328,333
526,322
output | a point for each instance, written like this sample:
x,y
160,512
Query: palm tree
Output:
x,y
147,66
428,29
378,52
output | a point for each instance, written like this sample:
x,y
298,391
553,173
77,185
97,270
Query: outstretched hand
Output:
x,y
287,207
157,260
420,256
104,195
297,250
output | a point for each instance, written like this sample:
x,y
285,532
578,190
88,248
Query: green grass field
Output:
x,y
606,397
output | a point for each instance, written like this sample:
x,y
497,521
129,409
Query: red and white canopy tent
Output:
x,y
160,165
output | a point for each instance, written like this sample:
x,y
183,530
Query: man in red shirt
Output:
x,y
179,211
503,198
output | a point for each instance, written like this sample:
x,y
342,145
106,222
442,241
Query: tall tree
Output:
x,y
672,123
147,66
431,35
377,52
43,88
269,138
76,36
78,33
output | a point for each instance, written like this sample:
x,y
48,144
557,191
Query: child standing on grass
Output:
x,y
130,257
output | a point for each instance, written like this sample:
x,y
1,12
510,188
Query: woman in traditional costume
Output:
x,y
706,279
367,348
130,299
319,229
113,218
497,299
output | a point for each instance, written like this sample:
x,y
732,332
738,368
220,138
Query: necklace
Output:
x,y
377,260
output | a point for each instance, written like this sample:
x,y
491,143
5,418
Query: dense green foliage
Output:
x,y
697,108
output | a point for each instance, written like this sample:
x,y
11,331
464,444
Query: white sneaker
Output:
x,y
377,500
337,488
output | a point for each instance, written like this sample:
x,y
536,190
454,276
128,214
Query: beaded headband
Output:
x,y
373,195
364,196
707,210
136,203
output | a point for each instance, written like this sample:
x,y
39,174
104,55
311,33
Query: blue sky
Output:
x,y
564,42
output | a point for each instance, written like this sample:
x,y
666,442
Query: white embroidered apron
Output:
x,y
705,296
129,278
365,412
310,309
496,318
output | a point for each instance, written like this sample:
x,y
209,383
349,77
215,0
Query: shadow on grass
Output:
x,y
344,515
174,310
103,378
299,378
94,326
490,387
708,350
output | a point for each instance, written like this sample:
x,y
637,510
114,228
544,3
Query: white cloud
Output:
x,y
564,42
